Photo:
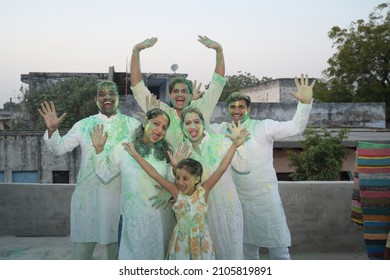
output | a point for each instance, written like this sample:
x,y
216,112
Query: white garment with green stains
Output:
x,y
145,230
225,218
94,206
264,218
206,105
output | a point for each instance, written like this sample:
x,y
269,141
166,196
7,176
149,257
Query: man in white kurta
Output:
x,y
265,222
180,90
94,214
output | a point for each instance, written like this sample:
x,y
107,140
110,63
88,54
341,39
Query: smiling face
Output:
x,y
107,100
238,111
193,127
155,129
180,96
186,182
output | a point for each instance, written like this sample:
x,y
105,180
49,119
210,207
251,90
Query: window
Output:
x,y
60,177
25,176
1,176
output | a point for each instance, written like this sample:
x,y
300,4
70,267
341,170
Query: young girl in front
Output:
x,y
191,239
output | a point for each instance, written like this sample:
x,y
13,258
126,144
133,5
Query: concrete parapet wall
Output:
x,y
319,217
35,209
318,214
330,115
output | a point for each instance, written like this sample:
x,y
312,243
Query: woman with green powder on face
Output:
x,y
225,219
180,89
145,230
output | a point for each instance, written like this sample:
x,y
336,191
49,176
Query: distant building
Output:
x,y
274,91
9,116
5,119
157,82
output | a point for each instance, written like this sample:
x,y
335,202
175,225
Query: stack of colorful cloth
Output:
x,y
371,195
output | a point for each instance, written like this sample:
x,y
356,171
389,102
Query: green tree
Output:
x,y
321,158
11,106
359,71
238,82
19,118
75,96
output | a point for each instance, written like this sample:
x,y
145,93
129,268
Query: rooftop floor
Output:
x,y
59,248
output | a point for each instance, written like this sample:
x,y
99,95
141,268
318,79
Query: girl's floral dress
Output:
x,y
191,239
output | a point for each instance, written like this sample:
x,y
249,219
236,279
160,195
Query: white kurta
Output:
x,y
264,218
145,230
94,213
206,105
224,209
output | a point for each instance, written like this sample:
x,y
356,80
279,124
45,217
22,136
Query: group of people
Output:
x,y
172,185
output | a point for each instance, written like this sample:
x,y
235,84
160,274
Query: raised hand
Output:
x,y
239,134
210,43
305,91
49,114
98,138
181,153
196,92
151,103
147,43
162,199
130,148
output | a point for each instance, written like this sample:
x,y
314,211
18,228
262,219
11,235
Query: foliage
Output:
x,y
20,124
75,96
12,106
321,158
238,82
19,118
360,69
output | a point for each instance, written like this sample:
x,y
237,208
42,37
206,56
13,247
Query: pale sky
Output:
x,y
277,39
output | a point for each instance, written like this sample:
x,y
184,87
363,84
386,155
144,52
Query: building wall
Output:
x,y
26,151
331,115
318,214
266,92
277,91
42,80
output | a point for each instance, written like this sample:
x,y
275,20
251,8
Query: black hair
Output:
x,y
190,109
161,147
180,80
192,166
236,96
105,83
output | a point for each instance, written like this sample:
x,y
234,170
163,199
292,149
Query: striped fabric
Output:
x,y
356,213
371,196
